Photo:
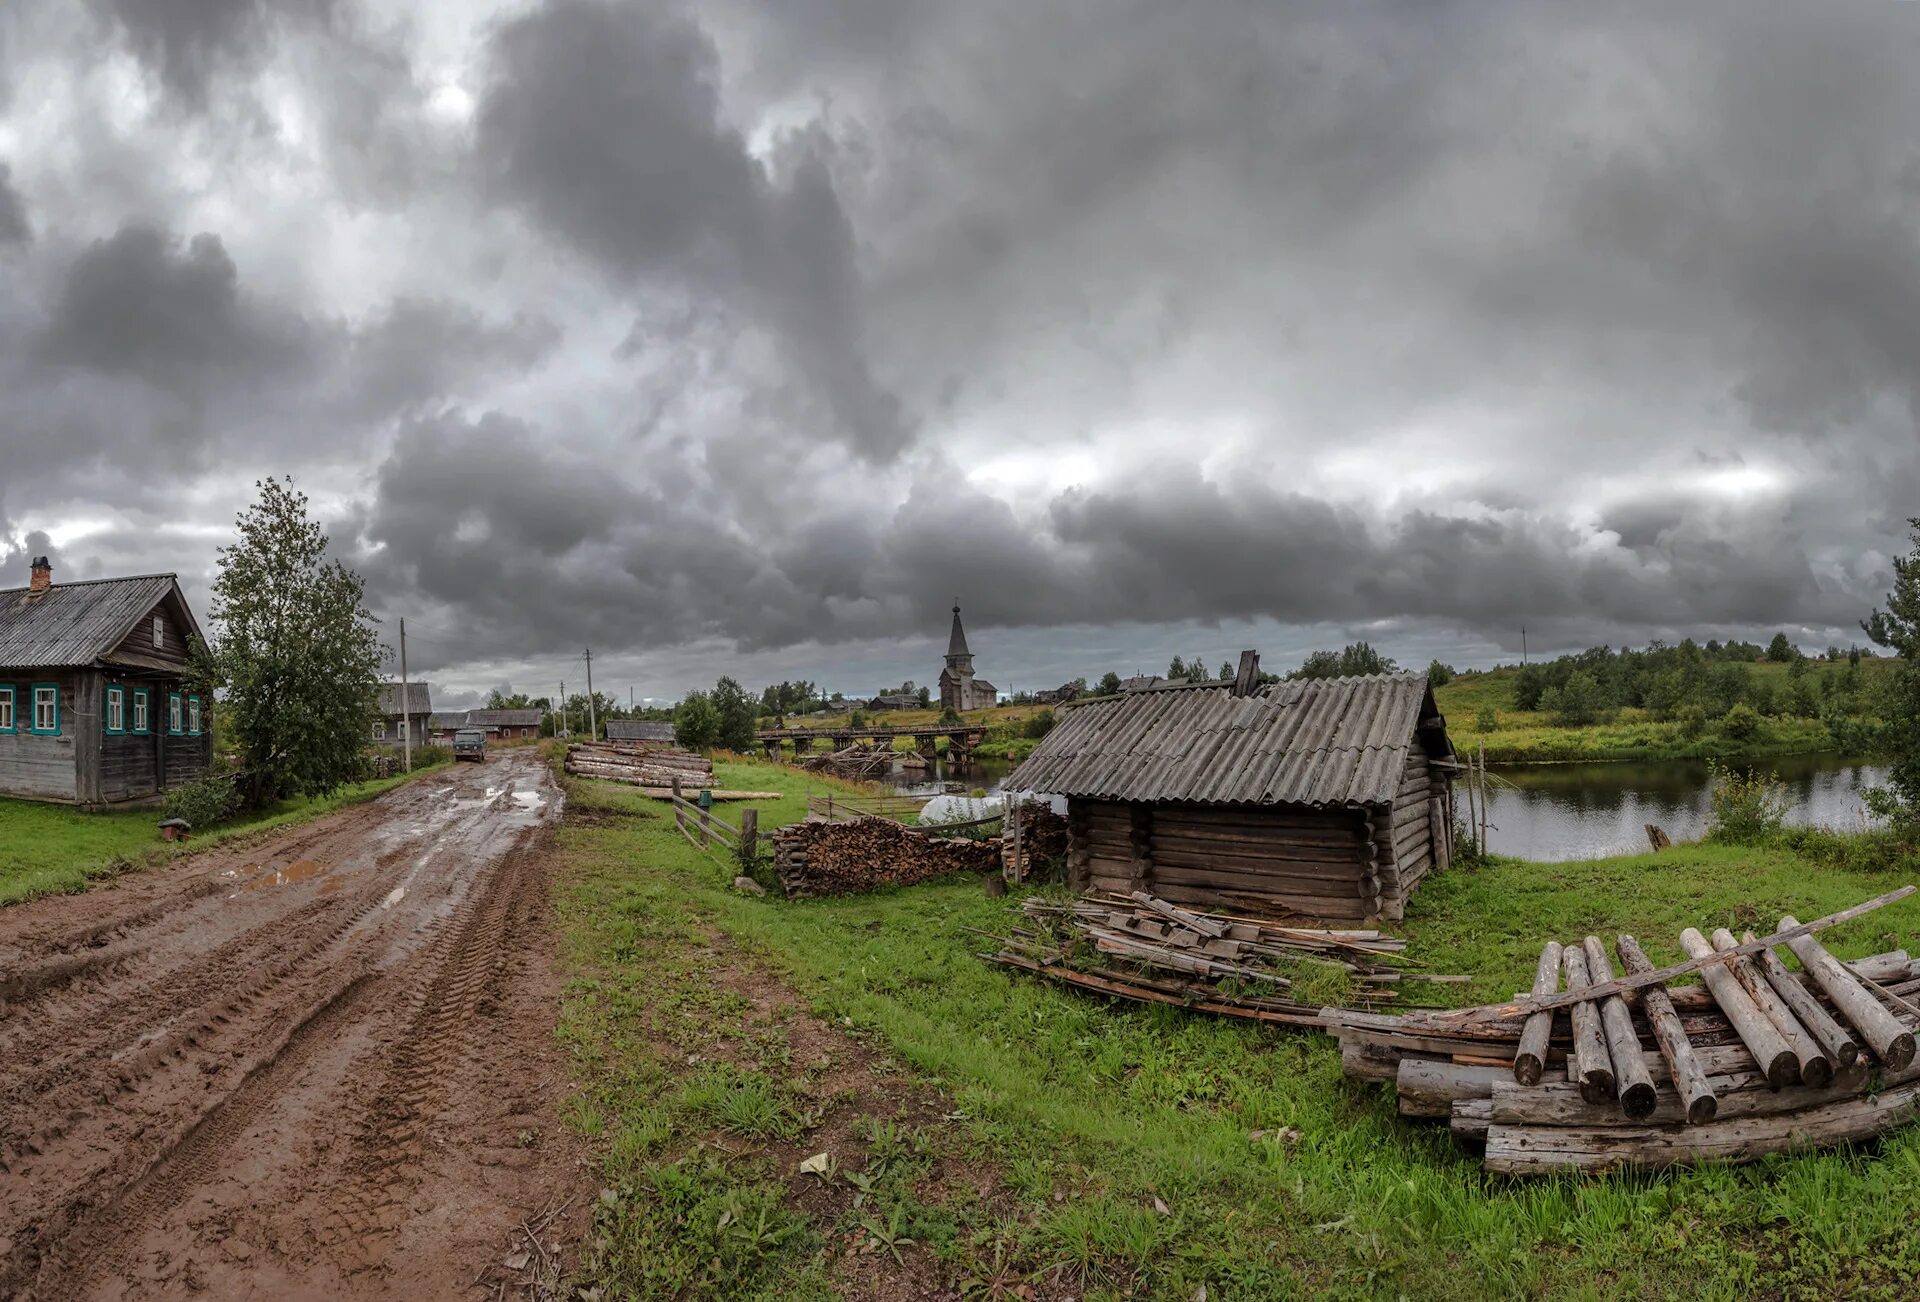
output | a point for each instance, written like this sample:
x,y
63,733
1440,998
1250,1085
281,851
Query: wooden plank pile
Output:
x,y
1141,947
1591,1070
641,765
818,857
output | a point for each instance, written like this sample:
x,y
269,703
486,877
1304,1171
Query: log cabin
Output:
x,y
1327,798
95,704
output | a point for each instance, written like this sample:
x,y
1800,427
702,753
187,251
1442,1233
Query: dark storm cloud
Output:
x,y
187,41
13,212
604,122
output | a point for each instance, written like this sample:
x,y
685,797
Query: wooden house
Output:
x,y
633,731
95,708
395,719
1328,798
506,725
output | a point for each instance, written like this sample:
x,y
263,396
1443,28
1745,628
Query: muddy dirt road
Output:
x,y
321,1065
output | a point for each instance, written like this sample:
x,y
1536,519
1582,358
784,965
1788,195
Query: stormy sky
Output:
x,y
735,337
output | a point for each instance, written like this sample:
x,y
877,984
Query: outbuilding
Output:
x,y
640,730
96,707
1328,798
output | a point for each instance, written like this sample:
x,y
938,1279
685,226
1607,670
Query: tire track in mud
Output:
x,y
108,1127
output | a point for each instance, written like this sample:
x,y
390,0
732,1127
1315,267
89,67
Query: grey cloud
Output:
x,y
604,121
187,41
13,212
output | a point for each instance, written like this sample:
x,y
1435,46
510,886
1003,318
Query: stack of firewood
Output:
x,y
1621,1071
1147,949
825,858
640,766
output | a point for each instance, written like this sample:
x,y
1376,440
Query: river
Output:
x,y
1554,812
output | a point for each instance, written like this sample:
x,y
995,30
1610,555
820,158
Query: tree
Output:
x,y
297,657
1178,669
1109,684
1577,703
736,716
1781,651
926,697
1898,628
1439,675
696,724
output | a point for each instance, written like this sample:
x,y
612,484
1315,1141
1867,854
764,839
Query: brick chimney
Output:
x,y
42,575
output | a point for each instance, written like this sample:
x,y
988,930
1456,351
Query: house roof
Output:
x,y
78,623
1320,742
419,699
503,718
957,640
639,730
447,719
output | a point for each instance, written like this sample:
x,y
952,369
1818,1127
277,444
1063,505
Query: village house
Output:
x,y
894,701
95,707
959,688
1329,798
506,725
639,730
1058,695
394,721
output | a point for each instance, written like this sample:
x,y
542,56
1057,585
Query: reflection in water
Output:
x,y
1581,811
982,774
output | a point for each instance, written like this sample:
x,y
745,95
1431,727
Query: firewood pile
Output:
x,y
1592,1070
1147,949
817,857
641,766
854,761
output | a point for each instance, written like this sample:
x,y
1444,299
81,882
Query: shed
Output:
x,y
1330,798
640,730
95,703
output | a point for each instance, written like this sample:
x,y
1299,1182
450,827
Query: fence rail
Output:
x,y
840,807
703,828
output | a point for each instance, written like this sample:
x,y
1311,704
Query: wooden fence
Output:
x,y
842,807
704,829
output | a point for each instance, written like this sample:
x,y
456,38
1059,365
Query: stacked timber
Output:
x,y
1599,1067
1151,950
640,766
818,857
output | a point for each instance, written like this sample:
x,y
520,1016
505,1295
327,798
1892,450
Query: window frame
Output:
x,y
34,721
193,716
379,730
141,724
176,715
13,709
159,631
116,700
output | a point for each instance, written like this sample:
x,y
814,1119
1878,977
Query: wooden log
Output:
x,y
1428,1088
1592,1065
1742,1093
1773,1054
1835,1038
1530,1059
1892,1042
1816,1068
1690,1082
1471,1120
1632,1080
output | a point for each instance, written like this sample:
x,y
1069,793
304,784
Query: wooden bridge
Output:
x,y
962,739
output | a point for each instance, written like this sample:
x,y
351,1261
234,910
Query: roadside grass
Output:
x,y
1279,1177
53,849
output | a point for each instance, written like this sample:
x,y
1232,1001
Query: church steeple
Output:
x,y
958,657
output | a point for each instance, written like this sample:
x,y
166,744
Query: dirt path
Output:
x,y
319,1066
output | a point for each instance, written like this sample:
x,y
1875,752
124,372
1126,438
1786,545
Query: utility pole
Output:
x,y
593,729
563,709
406,723
1523,646
629,698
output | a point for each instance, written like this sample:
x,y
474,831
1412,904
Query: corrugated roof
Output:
x,y
503,718
419,699
447,719
74,623
1328,741
639,730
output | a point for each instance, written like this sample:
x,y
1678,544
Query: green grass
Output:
x,y
51,849
1088,1112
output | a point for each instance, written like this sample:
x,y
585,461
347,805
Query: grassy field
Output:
x,y
1531,736
1121,1151
48,849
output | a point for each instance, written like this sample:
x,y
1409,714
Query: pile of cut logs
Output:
x,y
1147,949
1609,1071
644,765
818,857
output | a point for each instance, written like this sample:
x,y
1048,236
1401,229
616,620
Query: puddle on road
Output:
x,y
251,878
529,800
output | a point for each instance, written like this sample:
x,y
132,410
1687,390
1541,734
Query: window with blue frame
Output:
x,y
6,711
193,716
173,714
46,709
140,711
116,710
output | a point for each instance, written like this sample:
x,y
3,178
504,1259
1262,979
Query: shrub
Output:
x,y
211,800
1038,725
949,717
1488,720
1692,720
1741,723
1439,675
1747,808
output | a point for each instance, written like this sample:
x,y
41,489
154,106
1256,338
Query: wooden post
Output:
x,y
1530,1059
1689,1080
1590,1065
679,809
1011,866
1774,1055
749,836
706,830
1891,1041
1834,1037
1816,1069
1630,1072
1483,797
